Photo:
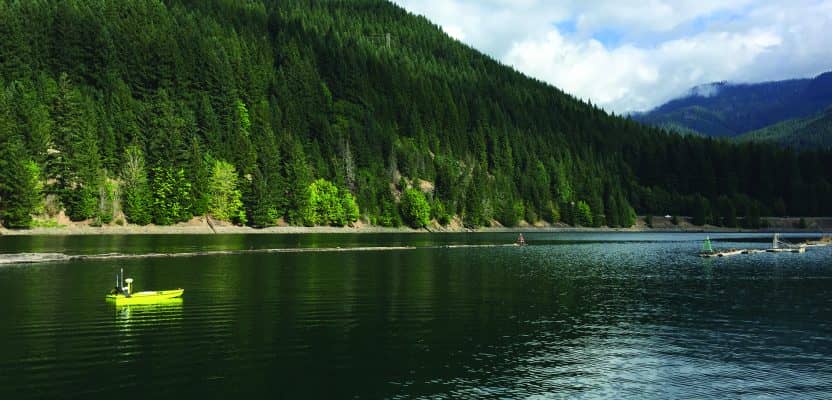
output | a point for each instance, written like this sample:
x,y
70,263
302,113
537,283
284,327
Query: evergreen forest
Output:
x,y
261,112
814,132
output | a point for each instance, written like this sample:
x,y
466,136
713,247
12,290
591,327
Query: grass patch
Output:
x,y
46,223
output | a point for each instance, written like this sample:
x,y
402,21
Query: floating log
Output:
x,y
726,253
824,241
801,249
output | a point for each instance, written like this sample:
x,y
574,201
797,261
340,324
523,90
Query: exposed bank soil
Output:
x,y
200,225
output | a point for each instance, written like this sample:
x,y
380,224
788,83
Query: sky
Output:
x,y
626,55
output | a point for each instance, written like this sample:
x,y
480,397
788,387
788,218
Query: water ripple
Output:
x,y
562,318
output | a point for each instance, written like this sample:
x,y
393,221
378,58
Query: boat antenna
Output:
x,y
121,282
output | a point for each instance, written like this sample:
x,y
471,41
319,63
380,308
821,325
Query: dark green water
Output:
x,y
570,315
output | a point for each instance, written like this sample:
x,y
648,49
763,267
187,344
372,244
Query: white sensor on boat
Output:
x,y
129,285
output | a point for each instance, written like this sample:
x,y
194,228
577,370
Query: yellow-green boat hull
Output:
x,y
146,297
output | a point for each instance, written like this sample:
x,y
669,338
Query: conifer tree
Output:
x,y
243,153
260,205
33,120
225,200
583,215
137,200
20,187
265,200
299,176
165,128
171,196
76,164
198,174
389,215
350,207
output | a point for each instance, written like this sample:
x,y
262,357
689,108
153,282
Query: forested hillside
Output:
x,y
814,132
727,110
325,112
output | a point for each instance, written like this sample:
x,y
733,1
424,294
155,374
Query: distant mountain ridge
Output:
x,y
724,109
813,132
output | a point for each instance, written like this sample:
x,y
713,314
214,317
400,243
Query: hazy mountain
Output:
x,y
724,109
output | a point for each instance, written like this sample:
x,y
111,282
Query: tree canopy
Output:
x,y
146,94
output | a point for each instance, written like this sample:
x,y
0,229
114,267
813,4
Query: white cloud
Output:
x,y
628,56
454,31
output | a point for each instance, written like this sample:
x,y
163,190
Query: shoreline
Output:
x,y
200,226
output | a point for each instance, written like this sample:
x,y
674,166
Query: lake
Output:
x,y
571,315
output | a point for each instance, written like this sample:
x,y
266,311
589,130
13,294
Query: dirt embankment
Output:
x,y
200,225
